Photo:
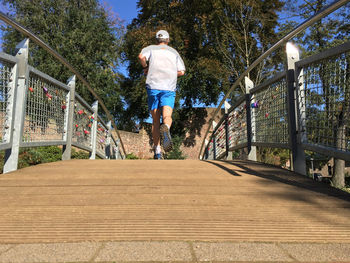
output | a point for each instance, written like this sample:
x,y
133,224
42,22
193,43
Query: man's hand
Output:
x,y
180,73
145,70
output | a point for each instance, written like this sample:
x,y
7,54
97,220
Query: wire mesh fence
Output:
x,y
220,139
102,135
83,119
324,92
45,110
6,77
209,152
237,125
269,113
114,148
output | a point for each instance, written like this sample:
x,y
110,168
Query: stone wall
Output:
x,y
196,127
140,144
137,143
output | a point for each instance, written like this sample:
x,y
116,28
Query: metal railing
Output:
x,y
55,54
38,110
318,117
323,88
324,12
311,113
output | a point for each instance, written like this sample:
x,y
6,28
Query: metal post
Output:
x,y
298,163
116,150
300,105
11,155
206,153
108,140
227,135
250,121
11,104
94,131
68,124
214,141
227,131
214,147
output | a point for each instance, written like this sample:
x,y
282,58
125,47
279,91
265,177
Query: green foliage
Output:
x,y
83,32
211,39
131,156
176,153
45,154
33,156
327,32
80,154
274,156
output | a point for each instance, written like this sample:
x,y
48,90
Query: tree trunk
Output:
x,y
338,179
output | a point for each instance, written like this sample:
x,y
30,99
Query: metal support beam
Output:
x,y
11,155
206,153
70,100
298,163
10,100
214,147
214,140
108,152
229,155
250,121
227,135
94,131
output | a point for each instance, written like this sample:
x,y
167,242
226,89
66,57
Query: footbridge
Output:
x,y
219,208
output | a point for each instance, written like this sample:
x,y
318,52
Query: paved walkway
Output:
x,y
166,211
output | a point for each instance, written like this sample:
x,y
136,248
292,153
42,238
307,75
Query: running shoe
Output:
x,y
165,138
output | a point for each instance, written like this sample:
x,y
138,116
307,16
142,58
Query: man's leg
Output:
x,y
165,128
156,113
167,112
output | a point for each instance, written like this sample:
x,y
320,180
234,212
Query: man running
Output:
x,y
163,68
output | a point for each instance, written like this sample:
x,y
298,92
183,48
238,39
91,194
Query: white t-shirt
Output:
x,y
164,63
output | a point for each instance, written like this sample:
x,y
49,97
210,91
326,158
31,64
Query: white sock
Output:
x,y
157,149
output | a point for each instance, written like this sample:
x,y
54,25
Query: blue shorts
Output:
x,y
159,98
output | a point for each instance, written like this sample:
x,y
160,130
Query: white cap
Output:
x,y
162,34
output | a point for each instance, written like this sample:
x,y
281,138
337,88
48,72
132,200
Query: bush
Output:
x,y
347,179
33,156
46,154
131,156
176,153
80,154
274,156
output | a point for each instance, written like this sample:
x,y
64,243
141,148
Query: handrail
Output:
x,y
322,13
45,46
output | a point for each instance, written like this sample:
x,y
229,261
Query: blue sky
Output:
x,y
126,9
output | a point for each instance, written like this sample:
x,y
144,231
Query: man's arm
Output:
x,y
142,60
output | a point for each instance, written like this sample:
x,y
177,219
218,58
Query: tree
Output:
x,y
247,31
199,31
82,31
